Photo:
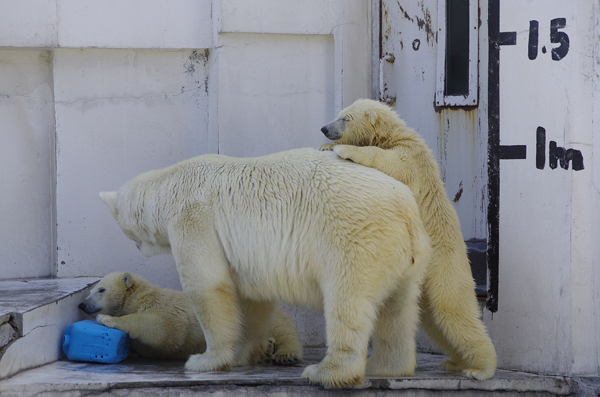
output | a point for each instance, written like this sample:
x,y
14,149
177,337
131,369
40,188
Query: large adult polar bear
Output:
x,y
450,314
301,226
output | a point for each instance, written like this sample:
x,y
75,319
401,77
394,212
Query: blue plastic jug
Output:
x,y
88,340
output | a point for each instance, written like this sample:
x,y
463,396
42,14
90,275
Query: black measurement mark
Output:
x,y
559,37
533,39
556,154
514,152
496,39
556,37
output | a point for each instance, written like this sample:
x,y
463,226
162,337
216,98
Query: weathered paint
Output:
x,y
125,87
409,85
543,248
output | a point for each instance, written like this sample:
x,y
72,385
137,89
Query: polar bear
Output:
x,y
450,314
304,227
162,322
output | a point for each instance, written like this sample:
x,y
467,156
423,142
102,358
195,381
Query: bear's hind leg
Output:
x,y
451,319
433,331
394,344
349,316
253,345
287,346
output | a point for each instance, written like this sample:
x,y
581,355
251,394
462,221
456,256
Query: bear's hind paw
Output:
x,y
334,376
286,359
205,362
267,355
479,373
449,365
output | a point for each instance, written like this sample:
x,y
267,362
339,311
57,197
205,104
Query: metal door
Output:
x,y
416,79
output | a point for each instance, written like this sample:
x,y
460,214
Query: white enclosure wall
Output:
x,y
120,112
93,93
27,177
549,200
520,166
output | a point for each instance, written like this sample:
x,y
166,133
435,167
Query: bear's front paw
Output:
x,y
326,147
106,320
206,362
343,151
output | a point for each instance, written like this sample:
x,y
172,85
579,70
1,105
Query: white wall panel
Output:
x,y
30,23
135,23
275,92
278,16
119,113
27,164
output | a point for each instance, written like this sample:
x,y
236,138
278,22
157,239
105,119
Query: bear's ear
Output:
x,y
371,115
127,280
110,199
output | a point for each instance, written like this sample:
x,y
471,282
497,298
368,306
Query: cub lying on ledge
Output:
x,y
162,322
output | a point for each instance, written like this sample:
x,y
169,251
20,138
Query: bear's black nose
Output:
x,y
82,306
324,130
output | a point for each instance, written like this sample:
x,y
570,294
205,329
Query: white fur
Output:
x,y
162,322
371,133
302,226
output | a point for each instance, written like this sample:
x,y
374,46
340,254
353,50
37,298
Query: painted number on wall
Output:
x,y
556,37
557,155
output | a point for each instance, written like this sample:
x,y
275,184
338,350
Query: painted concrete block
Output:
x,y
44,309
29,23
119,113
135,24
275,92
27,172
548,290
277,16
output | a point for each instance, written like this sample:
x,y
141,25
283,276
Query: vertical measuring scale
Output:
x,y
532,153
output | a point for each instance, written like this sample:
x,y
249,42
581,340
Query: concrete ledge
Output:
x,y
137,377
37,312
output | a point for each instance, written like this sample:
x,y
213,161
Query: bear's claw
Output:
x,y
326,147
285,359
106,320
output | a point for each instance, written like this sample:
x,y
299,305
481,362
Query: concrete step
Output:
x,y
137,377
33,316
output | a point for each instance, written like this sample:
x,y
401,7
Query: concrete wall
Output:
x,y
547,319
549,283
27,177
92,94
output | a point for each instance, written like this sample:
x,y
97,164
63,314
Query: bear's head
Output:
x,y
136,210
109,295
364,123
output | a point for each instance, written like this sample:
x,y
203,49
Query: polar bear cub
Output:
x,y
301,226
162,324
371,133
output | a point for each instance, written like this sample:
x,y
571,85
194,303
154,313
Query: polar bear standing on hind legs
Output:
x,y
302,226
450,314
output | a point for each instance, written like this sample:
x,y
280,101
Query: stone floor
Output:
x,y
135,377
39,310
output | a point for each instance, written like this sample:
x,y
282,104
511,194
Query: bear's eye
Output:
x,y
101,290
